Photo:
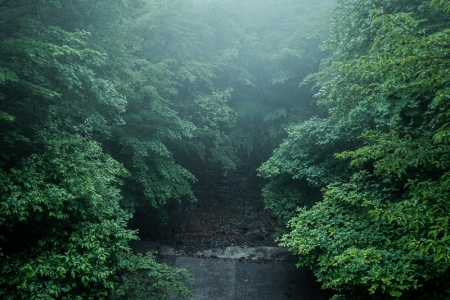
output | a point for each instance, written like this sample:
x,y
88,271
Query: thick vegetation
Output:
x,y
372,177
65,69
108,107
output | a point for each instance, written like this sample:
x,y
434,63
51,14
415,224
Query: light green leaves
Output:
x,y
441,3
384,232
67,71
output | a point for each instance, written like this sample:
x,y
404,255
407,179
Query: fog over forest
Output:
x,y
319,126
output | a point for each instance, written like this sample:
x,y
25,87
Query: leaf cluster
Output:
x,y
380,233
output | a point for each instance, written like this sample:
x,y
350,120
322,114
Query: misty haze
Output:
x,y
225,149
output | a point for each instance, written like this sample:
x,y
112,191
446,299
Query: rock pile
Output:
x,y
230,212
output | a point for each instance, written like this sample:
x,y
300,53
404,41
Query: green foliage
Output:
x,y
383,234
62,227
223,46
214,118
145,278
284,51
142,143
159,88
304,164
64,233
66,70
351,251
441,3
58,63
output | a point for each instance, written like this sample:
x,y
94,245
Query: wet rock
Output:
x,y
229,212
258,234
176,230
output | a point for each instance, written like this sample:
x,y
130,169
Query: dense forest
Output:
x,y
108,107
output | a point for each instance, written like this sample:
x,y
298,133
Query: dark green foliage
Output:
x,y
62,225
64,233
303,165
63,221
144,278
107,107
382,233
235,53
141,144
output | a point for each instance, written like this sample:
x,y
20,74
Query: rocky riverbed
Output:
x,y
229,212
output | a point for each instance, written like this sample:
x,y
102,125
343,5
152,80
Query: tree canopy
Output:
x,y
378,229
112,107
109,107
